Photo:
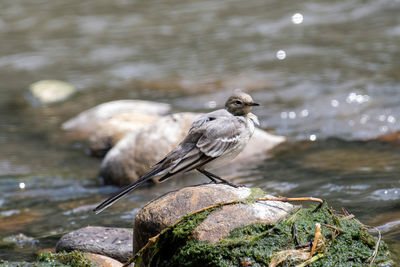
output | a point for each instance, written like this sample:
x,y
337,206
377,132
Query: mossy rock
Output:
x,y
73,259
46,259
346,243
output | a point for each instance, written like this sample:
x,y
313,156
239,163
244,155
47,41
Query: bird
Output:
x,y
213,139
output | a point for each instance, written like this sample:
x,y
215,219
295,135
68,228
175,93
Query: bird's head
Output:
x,y
240,104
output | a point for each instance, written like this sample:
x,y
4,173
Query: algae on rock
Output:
x,y
73,259
347,243
47,259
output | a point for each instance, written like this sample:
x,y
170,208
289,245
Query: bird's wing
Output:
x,y
209,137
219,136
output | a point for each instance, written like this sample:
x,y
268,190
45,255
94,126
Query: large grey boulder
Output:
x,y
164,211
112,242
133,156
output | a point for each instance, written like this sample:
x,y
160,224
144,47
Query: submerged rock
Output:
x,y
138,151
116,114
51,91
164,211
204,226
390,138
112,242
20,240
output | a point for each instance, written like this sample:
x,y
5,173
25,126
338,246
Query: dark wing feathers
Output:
x,y
219,137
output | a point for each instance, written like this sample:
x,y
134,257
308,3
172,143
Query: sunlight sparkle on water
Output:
x,y
334,103
21,185
281,55
391,119
297,18
383,128
357,98
304,113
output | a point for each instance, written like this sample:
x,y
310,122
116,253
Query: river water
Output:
x,y
325,72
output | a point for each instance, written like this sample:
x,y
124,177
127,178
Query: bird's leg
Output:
x,y
209,175
212,177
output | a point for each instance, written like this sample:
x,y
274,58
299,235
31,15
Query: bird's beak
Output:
x,y
253,104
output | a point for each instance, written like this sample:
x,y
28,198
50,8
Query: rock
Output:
x,y
133,155
51,91
74,259
118,112
20,240
164,211
112,130
137,151
112,242
272,233
260,143
103,261
390,138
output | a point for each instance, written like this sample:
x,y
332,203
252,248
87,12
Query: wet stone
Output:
x,y
133,155
51,91
122,114
112,130
164,211
20,240
103,261
112,242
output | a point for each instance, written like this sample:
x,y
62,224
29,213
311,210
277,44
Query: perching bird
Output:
x,y
213,139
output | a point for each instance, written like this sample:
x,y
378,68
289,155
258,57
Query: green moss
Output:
x,y
255,193
73,259
29,264
258,243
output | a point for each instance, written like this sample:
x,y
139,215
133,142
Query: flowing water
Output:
x,y
325,72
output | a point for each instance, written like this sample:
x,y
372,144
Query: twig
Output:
x,y
376,247
333,227
313,259
349,217
296,237
291,199
318,240
345,212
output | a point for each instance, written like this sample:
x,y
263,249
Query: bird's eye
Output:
x,y
237,102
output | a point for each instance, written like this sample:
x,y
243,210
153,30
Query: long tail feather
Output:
x,y
105,204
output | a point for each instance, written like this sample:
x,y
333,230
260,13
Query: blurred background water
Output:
x,y
325,72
